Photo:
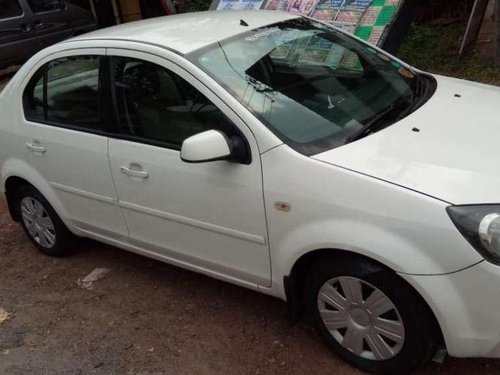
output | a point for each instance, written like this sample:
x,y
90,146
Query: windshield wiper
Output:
x,y
376,120
419,85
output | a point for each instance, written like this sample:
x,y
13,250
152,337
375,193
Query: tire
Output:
x,y
41,223
363,304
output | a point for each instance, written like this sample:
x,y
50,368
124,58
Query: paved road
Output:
x,y
146,317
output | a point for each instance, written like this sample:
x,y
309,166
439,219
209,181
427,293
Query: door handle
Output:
x,y
35,147
134,173
39,25
25,28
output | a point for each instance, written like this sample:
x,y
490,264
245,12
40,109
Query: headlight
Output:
x,y
480,225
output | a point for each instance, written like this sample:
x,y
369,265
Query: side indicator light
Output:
x,y
282,206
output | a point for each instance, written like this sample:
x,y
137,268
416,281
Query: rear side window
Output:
x,y
66,92
9,9
40,6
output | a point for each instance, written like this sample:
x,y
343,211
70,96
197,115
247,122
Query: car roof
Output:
x,y
185,33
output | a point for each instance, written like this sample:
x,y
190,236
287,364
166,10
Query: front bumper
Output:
x,y
467,307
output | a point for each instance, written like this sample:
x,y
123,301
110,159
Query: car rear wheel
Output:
x,y
368,315
41,223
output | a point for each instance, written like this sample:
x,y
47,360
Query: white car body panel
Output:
x,y
332,208
16,167
68,163
454,156
383,197
210,213
466,305
193,149
182,32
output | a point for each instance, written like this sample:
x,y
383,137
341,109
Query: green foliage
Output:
x,y
198,5
435,49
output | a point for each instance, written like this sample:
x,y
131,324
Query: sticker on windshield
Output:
x,y
262,34
204,60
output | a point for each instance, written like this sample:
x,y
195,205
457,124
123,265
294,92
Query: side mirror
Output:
x,y
210,145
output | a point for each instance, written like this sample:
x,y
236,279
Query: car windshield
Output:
x,y
313,86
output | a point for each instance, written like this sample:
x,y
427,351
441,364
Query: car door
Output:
x,y
208,215
64,134
16,34
50,21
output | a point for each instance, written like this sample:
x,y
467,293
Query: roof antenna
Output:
x,y
243,23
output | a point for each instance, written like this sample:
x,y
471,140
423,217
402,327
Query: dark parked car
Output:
x,y
27,26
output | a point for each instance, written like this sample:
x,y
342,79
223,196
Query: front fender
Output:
x,y
392,249
334,208
388,248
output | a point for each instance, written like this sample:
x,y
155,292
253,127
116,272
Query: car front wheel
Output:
x,y
368,315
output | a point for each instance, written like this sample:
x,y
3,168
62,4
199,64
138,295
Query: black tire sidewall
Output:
x,y
418,345
63,236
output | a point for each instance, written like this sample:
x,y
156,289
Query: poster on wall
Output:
x,y
376,19
281,5
342,13
239,4
302,7
367,19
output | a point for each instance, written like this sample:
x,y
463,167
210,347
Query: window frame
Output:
x,y
183,74
47,11
104,100
109,119
22,15
114,99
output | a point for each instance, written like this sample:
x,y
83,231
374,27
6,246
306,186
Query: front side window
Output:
x,y
156,105
66,92
313,86
40,6
9,9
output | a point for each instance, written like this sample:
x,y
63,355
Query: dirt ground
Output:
x,y
146,317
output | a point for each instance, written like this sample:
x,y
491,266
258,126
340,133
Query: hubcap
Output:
x,y
37,222
361,318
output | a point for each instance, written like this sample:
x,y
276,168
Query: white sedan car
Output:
x,y
279,154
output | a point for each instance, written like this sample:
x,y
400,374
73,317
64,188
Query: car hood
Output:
x,y
449,148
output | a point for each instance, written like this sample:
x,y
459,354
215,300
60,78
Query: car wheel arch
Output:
x,y
294,282
14,180
12,184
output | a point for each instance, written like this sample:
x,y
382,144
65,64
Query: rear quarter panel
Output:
x,y
7,128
